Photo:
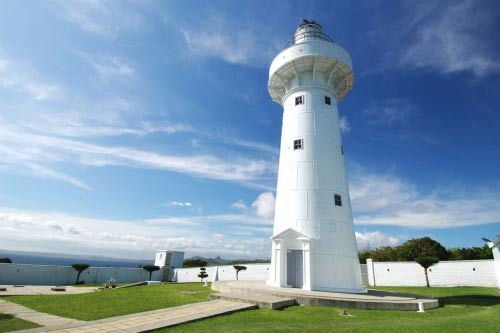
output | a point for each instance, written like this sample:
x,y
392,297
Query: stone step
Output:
x,y
262,301
371,300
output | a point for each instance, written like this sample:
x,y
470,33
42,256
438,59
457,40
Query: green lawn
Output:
x,y
463,309
115,302
8,324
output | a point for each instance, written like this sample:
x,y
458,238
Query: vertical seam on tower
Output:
x,y
295,71
314,71
332,71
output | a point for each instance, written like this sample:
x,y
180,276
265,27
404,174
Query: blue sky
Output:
x,y
127,127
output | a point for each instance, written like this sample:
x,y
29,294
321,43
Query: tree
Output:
x,y
150,269
5,261
79,268
203,273
194,263
422,247
471,253
427,262
386,253
239,268
363,255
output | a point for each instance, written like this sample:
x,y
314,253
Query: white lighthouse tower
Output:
x,y
313,243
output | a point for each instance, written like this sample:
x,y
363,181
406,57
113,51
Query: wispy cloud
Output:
x,y
451,37
179,204
109,66
391,111
59,232
259,146
44,172
388,200
221,37
373,192
23,79
100,17
237,169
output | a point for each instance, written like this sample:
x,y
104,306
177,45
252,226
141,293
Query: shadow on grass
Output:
x,y
478,300
5,316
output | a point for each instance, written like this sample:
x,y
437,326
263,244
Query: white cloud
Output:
x,y
370,192
373,240
345,127
179,204
438,212
63,233
388,200
263,206
240,205
451,36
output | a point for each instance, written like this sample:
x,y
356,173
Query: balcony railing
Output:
x,y
309,35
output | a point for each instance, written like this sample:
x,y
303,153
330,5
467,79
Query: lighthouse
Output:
x,y
313,242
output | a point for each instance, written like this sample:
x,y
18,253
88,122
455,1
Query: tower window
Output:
x,y
299,100
298,144
328,100
342,149
338,200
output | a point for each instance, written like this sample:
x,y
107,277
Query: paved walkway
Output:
x,y
39,318
138,322
11,290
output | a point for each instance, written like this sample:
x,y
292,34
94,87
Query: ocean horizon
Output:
x,y
59,259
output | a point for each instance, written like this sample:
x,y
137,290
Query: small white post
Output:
x,y
421,307
205,285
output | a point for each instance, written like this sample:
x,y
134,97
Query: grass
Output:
x,y
115,302
462,309
9,323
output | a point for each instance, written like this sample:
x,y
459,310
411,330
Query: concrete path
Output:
x,y
11,290
144,321
39,318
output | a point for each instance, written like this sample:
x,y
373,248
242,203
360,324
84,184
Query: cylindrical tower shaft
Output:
x,y
314,244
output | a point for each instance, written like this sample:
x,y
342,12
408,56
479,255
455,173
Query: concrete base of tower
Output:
x,y
342,290
276,284
367,300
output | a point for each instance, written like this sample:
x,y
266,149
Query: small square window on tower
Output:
x,y
298,144
299,100
328,100
338,200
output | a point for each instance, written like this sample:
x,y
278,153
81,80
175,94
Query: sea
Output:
x,y
68,260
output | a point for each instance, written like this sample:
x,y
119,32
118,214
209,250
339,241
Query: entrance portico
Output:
x,y
292,260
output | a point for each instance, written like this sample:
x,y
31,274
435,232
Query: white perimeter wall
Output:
x,y
223,273
11,274
445,273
